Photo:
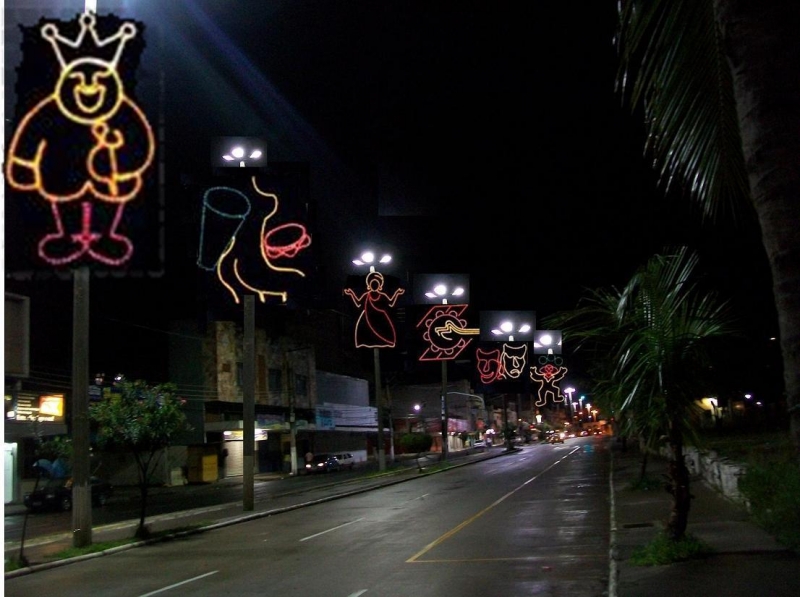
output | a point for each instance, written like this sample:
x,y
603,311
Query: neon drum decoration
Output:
x,y
222,250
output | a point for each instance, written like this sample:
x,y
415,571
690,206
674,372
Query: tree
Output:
x,y
717,82
57,449
655,333
416,442
142,420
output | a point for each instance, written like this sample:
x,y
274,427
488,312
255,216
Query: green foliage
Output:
x,y
53,448
650,345
647,483
672,66
143,418
416,442
508,431
772,487
662,550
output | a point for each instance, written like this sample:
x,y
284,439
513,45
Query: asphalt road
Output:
x,y
534,522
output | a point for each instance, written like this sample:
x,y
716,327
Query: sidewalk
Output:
x,y
747,562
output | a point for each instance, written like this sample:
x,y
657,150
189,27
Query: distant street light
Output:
x,y
569,392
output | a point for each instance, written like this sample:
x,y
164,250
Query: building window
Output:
x,y
300,385
275,382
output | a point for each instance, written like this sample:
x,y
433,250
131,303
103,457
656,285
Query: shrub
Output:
x,y
772,487
662,550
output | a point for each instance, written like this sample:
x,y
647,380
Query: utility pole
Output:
x,y
289,386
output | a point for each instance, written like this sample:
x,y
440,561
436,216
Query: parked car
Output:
x,y
323,463
346,460
56,494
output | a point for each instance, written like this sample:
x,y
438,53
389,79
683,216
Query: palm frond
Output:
x,y
672,66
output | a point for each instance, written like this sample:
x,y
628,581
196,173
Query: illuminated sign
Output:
x,y
374,326
445,331
236,242
85,147
44,409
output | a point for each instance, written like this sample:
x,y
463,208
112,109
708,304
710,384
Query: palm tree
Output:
x,y
717,82
654,334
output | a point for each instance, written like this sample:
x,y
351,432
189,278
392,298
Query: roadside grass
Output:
x,y
73,552
771,481
742,445
647,483
662,550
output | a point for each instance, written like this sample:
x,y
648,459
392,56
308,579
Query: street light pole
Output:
x,y
381,448
444,410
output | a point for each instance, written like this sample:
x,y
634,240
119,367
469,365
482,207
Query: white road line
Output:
x,y
188,580
333,529
357,593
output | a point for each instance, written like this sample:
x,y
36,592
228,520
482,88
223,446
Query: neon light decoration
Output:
x,y
546,377
498,365
444,331
490,365
225,211
374,327
515,359
84,148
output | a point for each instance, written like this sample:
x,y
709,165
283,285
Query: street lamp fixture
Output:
x,y
498,326
239,152
368,258
547,342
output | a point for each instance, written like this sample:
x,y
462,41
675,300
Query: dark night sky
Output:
x,y
465,137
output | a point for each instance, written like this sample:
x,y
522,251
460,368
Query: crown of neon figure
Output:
x,y
88,23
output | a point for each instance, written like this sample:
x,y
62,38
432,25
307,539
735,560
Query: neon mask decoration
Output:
x,y
91,125
514,359
490,366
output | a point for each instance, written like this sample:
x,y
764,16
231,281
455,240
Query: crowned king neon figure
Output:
x,y
84,148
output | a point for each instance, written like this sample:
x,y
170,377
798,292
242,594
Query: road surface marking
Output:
x,y
178,584
333,529
472,519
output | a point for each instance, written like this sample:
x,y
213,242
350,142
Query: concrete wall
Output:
x,y
721,473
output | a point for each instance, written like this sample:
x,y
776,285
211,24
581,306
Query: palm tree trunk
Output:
x,y
678,474
760,41
643,466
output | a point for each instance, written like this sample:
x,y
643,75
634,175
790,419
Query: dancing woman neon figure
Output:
x,y
374,328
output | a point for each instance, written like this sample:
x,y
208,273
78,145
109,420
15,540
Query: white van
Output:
x,y
346,460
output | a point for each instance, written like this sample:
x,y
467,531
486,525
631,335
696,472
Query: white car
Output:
x,y
346,460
